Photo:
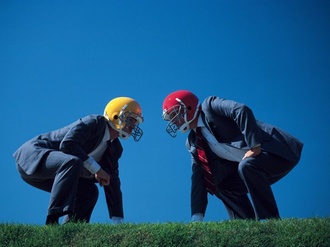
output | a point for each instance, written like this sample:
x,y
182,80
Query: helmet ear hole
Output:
x,y
115,117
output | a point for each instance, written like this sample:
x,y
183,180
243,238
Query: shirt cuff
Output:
x,y
198,217
117,220
91,165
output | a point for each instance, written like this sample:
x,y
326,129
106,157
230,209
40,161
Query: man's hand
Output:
x,y
198,217
102,177
117,220
252,152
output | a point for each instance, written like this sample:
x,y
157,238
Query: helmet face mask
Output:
x,y
129,125
175,117
124,115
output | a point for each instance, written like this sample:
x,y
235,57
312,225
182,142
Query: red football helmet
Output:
x,y
180,108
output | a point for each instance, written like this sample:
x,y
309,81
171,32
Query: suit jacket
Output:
x,y
78,139
233,123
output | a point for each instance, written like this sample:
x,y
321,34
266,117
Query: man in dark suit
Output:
x,y
233,154
69,161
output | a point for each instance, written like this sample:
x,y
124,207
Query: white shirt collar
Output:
x,y
106,136
200,122
223,150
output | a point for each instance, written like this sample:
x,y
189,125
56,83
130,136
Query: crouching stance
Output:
x,y
232,154
69,161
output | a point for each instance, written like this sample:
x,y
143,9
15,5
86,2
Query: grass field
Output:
x,y
286,232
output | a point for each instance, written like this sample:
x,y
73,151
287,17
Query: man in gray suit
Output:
x,y
232,153
69,161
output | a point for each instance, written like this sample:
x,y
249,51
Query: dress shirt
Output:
x,y
223,150
95,156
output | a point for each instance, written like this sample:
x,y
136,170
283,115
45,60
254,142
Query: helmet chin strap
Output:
x,y
186,126
122,134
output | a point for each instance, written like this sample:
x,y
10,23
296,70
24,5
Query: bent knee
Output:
x,y
244,166
73,162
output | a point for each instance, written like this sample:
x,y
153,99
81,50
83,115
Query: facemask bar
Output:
x,y
175,118
125,120
171,129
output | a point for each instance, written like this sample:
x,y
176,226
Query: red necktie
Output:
x,y
210,186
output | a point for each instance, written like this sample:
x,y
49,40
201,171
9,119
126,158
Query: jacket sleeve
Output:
x,y
198,196
241,114
79,133
113,193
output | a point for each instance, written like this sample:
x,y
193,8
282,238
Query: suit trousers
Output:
x,y
258,174
234,195
70,195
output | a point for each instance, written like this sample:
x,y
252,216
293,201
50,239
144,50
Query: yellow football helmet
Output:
x,y
124,115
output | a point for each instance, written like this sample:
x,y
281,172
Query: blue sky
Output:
x,y
62,60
